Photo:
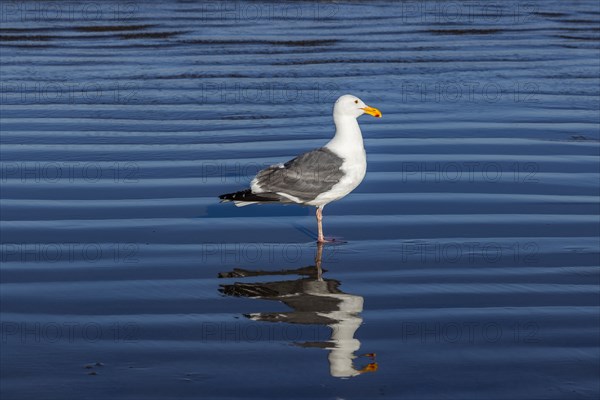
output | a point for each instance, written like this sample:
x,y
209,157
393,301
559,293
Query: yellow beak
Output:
x,y
372,111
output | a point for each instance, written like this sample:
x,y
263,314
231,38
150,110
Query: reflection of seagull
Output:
x,y
314,300
320,176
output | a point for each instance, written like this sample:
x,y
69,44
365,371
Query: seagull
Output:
x,y
320,176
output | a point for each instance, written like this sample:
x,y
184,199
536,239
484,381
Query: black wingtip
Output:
x,y
247,195
241,195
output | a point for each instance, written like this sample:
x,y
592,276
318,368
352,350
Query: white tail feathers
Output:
x,y
244,203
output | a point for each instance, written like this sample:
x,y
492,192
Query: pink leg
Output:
x,y
321,238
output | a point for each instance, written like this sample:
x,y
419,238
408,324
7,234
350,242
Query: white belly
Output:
x,y
354,170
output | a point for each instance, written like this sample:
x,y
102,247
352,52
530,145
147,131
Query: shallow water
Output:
x,y
468,266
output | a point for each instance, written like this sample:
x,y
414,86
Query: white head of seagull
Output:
x,y
351,106
318,177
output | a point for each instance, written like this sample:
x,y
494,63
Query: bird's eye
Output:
x,y
355,101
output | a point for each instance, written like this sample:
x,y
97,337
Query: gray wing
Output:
x,y
305,177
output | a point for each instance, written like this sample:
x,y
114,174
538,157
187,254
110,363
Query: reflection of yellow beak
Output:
x,y
372,111
372,367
